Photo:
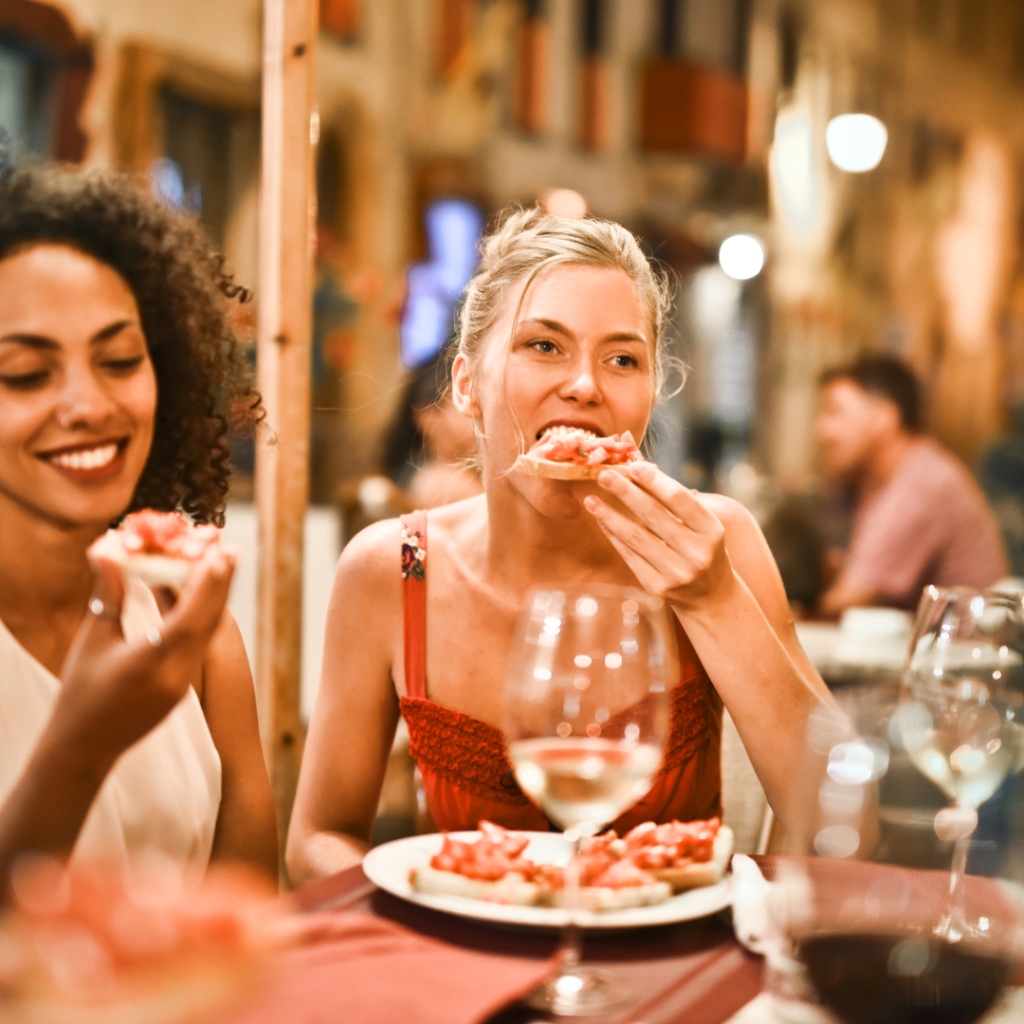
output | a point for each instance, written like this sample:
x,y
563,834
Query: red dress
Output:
x,y
463,761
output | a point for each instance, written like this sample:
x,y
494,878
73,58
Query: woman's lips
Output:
x,y
94,462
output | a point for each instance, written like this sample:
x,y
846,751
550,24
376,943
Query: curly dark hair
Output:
x,y
204,381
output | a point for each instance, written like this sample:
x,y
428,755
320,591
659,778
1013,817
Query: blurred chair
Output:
x,y
745,807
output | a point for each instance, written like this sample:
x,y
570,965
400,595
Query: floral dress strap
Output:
x,y
414,602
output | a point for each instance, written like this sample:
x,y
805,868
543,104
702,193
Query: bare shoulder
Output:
x,y
744,540
374,554
367,584
733,516
226,642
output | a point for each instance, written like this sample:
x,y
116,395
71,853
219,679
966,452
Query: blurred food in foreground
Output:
x,y
81,945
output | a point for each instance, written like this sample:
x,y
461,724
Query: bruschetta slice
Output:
x,y
159,548
686,855
570,453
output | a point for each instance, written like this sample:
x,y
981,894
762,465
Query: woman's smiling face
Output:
x,y
581,355
78,392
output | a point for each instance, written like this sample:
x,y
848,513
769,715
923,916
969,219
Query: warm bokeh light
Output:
x,y
741,257
856,142
564,202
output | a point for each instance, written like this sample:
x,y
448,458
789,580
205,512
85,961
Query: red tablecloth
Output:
x,y
435,967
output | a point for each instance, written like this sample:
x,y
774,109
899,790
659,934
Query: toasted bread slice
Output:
x,y
533,466
158,570
158,548
697,874
432,882
600,898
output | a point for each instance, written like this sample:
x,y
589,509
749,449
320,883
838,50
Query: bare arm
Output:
x,y
246,822
707,557
113,692
353,723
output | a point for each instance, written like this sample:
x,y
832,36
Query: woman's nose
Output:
x,y
83,401
581,384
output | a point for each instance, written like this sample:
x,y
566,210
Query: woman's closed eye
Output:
x,y
123,366
24,381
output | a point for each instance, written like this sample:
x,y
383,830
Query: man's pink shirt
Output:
x,y
928,525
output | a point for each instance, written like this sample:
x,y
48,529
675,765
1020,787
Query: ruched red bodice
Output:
x,y
463,761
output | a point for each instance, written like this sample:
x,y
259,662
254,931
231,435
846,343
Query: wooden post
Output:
x,y
287,218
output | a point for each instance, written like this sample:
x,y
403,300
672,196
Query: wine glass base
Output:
x,y
578,992
953,931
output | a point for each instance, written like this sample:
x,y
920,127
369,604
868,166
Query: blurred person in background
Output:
x,y
124,734
919,517
431,442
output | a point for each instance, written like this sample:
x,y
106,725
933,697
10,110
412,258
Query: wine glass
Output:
x,y
960,714
586,719
860,910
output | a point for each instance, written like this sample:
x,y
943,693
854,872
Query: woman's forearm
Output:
x,y
48,805
767,694
322,854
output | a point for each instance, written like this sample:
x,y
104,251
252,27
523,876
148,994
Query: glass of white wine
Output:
x,y
586,719
961,713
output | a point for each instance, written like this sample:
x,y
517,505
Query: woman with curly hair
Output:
x,y
118,369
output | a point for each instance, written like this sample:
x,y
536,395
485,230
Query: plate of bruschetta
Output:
x,y
653,875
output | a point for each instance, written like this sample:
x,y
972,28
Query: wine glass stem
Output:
x,y
570,947
953,925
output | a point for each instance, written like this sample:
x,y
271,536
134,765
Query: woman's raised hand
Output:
x,y
674,545
114,690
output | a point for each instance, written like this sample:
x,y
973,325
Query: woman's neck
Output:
x,y
525,545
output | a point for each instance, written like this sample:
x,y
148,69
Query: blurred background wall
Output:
x,y
687,120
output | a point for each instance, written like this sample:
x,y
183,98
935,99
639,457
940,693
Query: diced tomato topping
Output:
x,y
674,843
496,854
583,449
622,874
606,860
165,533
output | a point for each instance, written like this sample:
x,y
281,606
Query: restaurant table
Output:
x,y
692,971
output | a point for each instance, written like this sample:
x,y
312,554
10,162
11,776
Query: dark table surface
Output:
x,y
693,971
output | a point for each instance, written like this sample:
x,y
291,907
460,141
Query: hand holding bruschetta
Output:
x,y
673,542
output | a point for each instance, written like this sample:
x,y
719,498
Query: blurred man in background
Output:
x,y
919,516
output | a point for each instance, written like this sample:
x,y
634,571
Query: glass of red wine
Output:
x,y
870,859
586,720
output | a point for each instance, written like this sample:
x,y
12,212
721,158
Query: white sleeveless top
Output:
x,y
160,800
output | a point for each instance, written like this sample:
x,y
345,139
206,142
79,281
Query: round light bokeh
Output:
x,y
564,202
741,257
856,142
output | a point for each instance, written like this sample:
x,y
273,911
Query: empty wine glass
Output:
x,y
960,713
586,718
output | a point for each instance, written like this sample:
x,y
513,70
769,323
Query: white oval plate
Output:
x,y
388,867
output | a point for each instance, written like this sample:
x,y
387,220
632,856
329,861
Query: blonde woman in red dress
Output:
x,y
561,324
